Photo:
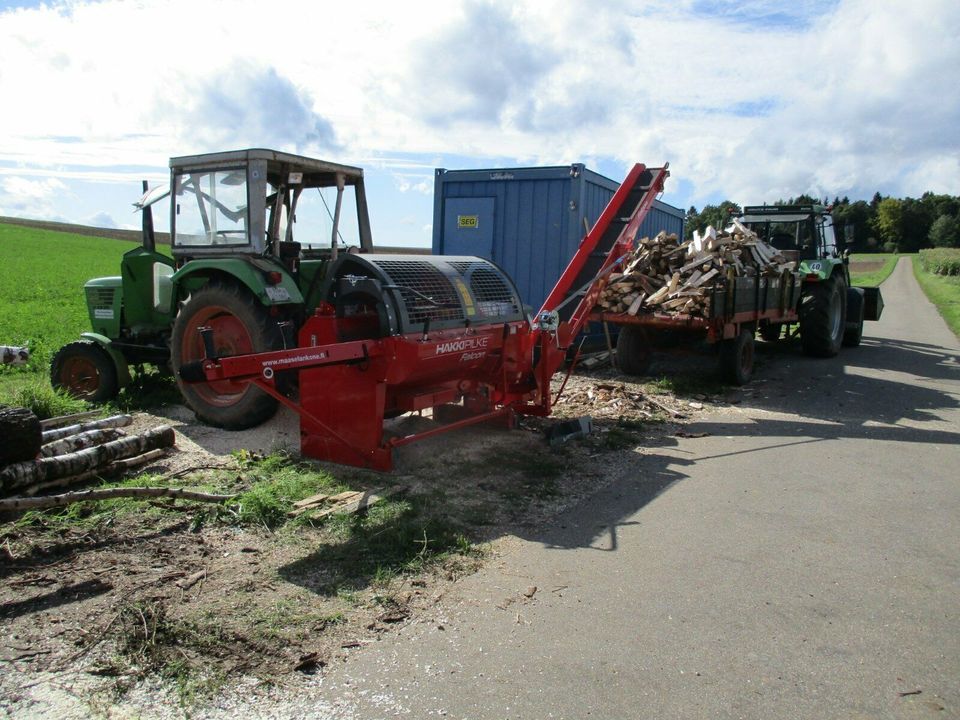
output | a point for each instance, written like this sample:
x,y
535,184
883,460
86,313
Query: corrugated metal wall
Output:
x,y
529,221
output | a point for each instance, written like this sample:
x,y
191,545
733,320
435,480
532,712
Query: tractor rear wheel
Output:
x,y
633,350
240,325
822,316
86,371
736,358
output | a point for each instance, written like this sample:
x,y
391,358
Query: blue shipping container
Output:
x,y
529,221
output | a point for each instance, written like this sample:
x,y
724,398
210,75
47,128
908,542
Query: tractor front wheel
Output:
x,y
822,316
86,371
240,325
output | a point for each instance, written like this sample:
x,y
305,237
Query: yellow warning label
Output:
x,y
467,298
468,221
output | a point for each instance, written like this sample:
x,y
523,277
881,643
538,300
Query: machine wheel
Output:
x,y
822,316
633,350
854,325
771,333
736,358
86,371
240,325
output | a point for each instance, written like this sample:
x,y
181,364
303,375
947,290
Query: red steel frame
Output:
x,y
348,388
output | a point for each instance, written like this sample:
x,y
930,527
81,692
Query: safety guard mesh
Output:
x,y
427,293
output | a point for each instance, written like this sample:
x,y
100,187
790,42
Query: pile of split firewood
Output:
x,y
37,456
665,275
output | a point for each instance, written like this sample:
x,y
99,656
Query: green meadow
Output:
x,y
42,273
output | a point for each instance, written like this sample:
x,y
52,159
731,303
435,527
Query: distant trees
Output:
x,y
716,215
945,231
883,223
888,223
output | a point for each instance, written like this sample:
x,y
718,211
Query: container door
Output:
x,y
468,227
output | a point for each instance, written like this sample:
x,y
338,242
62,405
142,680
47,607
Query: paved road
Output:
x,y
802,561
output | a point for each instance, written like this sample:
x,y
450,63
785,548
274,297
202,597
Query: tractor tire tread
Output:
x,y
109,384
633,351
820,333
254,407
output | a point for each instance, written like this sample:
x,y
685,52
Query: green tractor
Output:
x,y
235,269
831,311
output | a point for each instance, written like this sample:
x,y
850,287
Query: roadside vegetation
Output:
x,y
938,272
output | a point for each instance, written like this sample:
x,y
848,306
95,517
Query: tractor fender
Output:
x,y
820,269
119,361
251,273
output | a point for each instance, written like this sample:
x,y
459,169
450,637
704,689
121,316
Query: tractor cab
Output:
x,y
260,224
267,204
801,232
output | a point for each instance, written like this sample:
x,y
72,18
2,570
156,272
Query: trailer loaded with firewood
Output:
x,y
776,271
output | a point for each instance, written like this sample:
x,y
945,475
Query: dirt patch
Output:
x,y
171,591
867,266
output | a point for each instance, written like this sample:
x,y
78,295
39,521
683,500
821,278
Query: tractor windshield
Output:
x,y
790,233
211,208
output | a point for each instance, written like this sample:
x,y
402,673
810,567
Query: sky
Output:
x,y
752,101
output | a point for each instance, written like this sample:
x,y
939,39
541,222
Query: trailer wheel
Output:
x,y
633,350
854,326
86,371
736,358
240,325
822,316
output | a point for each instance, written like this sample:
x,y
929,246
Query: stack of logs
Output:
x,y
666,275
38,456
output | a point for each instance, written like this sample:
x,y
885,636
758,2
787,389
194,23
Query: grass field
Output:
x,y
42,274
871,269
943,291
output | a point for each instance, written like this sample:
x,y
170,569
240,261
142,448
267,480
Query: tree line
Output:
x,y
884,224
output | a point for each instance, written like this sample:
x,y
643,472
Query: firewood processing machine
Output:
x,y
402,333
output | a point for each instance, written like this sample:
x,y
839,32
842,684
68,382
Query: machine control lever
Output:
x,y
286,331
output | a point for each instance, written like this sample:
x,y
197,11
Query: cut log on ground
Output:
x,y
72,443
23,474
20,435
114,421
71,419
27,503
114,468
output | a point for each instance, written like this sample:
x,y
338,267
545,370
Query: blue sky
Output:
x,y
751,101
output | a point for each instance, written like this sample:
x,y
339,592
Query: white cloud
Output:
x,y
406,184
748,100
242,104
105,220
30,190
22,197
